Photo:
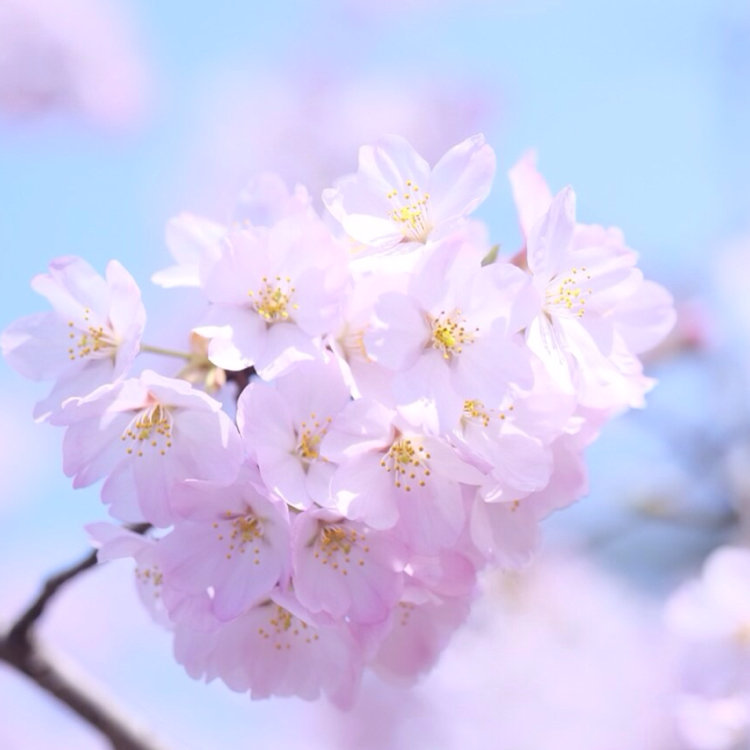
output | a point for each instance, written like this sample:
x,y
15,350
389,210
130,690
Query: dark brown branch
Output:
x,y
19,649
19,633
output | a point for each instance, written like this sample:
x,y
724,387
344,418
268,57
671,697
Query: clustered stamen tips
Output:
x,y
410,211
309,436
90,341
285,629
409,463
273,300
244,534
449,333
566,293
151,427
339,547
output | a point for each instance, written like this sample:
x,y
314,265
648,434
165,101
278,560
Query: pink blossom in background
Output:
x,y
559,654
306,123
709,618
77,56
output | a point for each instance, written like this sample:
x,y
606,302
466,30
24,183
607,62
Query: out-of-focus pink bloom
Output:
x,y
89,339
420,627
714,723
395,201
145,435
710,618
272,295
539,642
283,424
717,606
76,55
275,648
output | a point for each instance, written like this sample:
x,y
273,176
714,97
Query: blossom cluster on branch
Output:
x,y
416,405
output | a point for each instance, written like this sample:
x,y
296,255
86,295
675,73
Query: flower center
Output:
x,y
309,436
152,426
408,462
92,341
476,411
273,300
283,628
566,295
242,533
410,212
449,333
337,546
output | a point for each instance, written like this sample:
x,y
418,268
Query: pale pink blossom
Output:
x,y
275,648
195,241
90,338
396,201
390,473
420,627
596,313
283,423
115,542
451,336
344,568
230,541
145,435
274,292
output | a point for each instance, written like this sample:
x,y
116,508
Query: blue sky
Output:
x,y
643,107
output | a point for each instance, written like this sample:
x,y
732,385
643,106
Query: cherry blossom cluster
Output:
x,y
409,406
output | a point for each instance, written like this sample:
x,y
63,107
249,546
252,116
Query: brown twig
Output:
x,y
19,649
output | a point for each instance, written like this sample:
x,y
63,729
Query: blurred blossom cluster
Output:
x,y
77,56
409,407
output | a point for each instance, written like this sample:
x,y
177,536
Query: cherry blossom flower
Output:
x,y
343,568
229,540
195,241
449,342
273,291
283,425
591,296
395,201
389,473
145,435
275,648
90,338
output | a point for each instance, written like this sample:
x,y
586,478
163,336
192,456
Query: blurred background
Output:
x,y
116,115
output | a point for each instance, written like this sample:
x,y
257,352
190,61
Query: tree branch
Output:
x,y
19,649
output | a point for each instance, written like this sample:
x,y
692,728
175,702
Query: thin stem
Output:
x,y
167,352
18,648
